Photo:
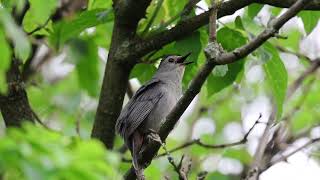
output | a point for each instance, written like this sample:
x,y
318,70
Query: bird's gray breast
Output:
x,y
157,116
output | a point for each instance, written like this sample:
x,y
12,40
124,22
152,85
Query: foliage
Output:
x,y
35,153
224,76
67,100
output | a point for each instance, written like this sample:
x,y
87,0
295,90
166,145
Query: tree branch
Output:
x,y
312,5
184,13
280,137
273,28
39,27
199,79
254,171
309,71
192,24
299,55
285,157
219,146
183,168
213,21
186,27
300,102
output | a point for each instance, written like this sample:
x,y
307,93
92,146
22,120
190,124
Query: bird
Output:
x,y
146,111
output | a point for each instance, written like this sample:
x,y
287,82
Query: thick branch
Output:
x,y
192,24
313,5
186,27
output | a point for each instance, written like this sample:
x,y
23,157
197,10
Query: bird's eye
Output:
x,y
171,60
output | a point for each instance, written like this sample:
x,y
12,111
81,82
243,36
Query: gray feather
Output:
x,y
138,108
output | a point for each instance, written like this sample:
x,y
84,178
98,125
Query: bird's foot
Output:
x,y
140,174
154,136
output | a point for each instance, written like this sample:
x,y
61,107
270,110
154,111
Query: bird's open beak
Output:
x,y
183,58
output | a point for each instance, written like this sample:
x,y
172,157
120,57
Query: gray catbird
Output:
x,y
147,109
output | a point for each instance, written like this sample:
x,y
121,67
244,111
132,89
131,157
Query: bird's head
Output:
x,y
173,63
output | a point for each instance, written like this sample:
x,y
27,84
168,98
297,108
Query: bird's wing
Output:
x,y
138,108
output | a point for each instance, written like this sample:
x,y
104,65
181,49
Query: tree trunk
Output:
x,y
110,102
14,106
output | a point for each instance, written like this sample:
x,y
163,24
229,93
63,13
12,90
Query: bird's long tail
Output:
x,y
137,141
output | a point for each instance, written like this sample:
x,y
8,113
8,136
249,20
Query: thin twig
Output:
x,y
309,71
299,55
170,158
39,120
219,146
213,21
181,169
188,8
300,102
202,175
39,27
303,133
285,157
78,118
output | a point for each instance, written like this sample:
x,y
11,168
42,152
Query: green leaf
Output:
x,y
303,119
216,83
174,7
293,40
229,39
277,76
307,115
239,154
143,72
21,43
17,4
85,55
310,19
217,175
191,43
5,52
238,23
254,9
98,4
66,30
5,55
31,152
39,12
275,11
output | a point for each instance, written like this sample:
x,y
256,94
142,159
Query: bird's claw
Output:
x,y
154,136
